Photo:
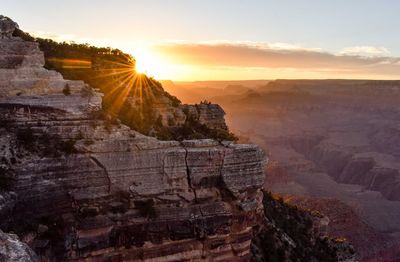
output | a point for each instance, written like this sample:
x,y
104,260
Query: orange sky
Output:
x,y
235,61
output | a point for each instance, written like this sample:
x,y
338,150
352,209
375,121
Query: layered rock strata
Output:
x,y
211,115
374,171
83,189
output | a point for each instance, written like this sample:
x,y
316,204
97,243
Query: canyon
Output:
x,y
333,146
80,182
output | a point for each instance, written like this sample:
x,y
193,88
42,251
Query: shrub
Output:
x,y
146,208
6,180
67,90
285,221
68,146
25,135
88,142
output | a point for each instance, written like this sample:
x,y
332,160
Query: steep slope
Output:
x,y
13,250
292,234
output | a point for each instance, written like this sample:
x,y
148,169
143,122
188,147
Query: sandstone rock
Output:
x,y
211,115
116,194
7,26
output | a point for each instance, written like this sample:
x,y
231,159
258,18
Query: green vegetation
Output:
x,y
193,129
43,143
287,235
67,90
6,179
146,208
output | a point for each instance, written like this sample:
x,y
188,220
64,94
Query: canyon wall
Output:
x,y
76,187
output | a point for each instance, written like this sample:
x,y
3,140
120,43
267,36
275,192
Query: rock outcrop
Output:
x,y
209,114
13,250
291,234
85,189
7,27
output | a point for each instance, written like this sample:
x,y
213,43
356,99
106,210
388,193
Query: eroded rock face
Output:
x,y
7,27
85,190
211,115
13,250
291,234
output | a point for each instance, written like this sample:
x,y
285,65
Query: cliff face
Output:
x,y
76,187
291,234
211,115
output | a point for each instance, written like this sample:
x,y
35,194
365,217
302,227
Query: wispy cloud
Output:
x,y
361,60
368,51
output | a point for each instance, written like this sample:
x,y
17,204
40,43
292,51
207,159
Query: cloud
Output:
x,y
280,55
368,51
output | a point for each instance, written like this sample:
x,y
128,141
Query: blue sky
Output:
x,y
357,26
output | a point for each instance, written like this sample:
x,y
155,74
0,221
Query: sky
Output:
x,y
229,39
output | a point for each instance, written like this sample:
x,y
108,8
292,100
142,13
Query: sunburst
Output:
x,y
122,81
149,63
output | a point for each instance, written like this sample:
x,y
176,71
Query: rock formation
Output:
x,y
211,115
76,188
7,27
13,250
291,234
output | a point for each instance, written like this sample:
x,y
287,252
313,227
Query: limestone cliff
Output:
x,y
77,188
76,184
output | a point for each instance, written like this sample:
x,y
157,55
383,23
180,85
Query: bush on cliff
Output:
x,y
43,143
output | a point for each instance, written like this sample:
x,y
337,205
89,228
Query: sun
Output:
x,y
147,62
